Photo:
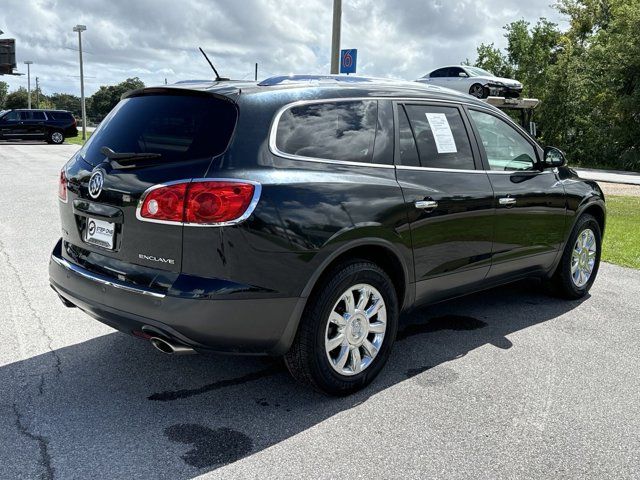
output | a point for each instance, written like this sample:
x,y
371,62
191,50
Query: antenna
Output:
x,y
218,77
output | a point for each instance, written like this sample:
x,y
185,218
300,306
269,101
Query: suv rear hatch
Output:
x,y
173,134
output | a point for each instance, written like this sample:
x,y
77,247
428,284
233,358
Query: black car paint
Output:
x,y
243,288
37,129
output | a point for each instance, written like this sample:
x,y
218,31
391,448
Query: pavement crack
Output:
x,y
43,445
39,323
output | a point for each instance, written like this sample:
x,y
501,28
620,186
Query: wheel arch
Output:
x,y
378,251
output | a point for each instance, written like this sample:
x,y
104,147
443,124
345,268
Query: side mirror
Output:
x,y
554,157
462,74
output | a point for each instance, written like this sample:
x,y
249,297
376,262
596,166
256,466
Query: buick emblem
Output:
x,y
95,184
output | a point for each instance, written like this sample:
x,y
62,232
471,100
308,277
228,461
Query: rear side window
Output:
x,y
406,143
441,137
334,130
60,115
38,116
178,127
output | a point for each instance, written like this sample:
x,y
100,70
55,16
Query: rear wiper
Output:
x,y
122,157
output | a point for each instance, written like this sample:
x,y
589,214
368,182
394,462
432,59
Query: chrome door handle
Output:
x,y
507,201
426,204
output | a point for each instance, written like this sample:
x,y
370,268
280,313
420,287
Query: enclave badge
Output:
x,y
95,184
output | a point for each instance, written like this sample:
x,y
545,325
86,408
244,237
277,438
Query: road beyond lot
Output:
x,y
509,383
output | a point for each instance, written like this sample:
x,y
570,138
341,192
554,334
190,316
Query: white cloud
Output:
x,y
158,39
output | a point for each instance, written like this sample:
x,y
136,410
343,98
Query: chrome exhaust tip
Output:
x,y
165,346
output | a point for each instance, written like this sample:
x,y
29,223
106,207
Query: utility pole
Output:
x,y
255,77
80,29
28,63
335,37
37,93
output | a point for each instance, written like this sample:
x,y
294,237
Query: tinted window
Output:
x,y
178,127
506,148
335,131
60,115
12,116
455,71
441,137
441,72
37,116
406,144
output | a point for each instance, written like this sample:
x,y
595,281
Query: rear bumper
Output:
x,y
250,325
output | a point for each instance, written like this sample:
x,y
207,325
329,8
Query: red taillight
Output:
x,y
165,203
216,202
62,186
208,202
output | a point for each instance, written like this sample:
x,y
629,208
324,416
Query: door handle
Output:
x,y
427,205
507,201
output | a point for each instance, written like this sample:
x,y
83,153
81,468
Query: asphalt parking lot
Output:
x,y
509,383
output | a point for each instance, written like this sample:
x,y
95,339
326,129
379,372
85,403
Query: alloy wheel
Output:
x,y
583,258
355,329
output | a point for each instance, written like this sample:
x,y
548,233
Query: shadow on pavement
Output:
x,y
115,406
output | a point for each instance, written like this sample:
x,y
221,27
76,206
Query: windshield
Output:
x,y
478,72
178,127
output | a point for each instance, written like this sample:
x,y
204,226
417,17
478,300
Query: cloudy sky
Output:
x,y
158,39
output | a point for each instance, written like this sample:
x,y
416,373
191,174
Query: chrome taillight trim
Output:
x,y
257,191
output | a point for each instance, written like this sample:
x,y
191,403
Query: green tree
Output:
x,y
492,59
65,101
17,99
107,97
4,88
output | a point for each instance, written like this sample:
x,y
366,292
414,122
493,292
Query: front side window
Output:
x,y
12,116
441,137
505,147
334,130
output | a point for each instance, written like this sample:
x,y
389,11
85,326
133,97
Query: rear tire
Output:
x,y
56,137
347,330
580,261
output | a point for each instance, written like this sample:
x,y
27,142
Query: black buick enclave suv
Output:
x,y
299,216
52,126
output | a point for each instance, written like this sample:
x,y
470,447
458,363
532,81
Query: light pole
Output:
x,y
28,63
80,29
335,37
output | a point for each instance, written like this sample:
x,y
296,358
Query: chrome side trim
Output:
x,y
273,148
433,169
257,190
103,281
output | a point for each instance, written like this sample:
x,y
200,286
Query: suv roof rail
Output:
x,y
285,79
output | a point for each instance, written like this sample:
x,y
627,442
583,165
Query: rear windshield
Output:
x,y
178,127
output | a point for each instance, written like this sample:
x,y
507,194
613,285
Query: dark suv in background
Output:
x,y
50,125
299,216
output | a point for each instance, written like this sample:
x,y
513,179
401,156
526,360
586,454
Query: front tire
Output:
x,y
580,261
56,137
347,330
479,91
